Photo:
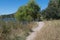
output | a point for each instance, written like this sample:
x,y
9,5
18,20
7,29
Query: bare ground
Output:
x,y
34,34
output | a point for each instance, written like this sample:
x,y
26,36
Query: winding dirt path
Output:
x,y
33,34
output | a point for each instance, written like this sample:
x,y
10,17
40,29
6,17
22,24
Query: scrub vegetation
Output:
x,y
26,18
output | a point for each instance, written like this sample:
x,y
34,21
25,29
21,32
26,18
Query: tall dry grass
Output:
x,y
50,31
11,30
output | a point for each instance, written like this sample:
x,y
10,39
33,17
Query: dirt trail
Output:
x,y
33,34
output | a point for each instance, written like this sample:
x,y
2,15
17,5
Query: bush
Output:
x,y
28,12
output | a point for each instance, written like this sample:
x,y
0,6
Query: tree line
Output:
x,y
32,11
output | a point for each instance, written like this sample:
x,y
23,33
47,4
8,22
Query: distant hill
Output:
x,y
7,16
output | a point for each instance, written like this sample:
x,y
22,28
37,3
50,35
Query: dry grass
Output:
x,y
15,30
50,31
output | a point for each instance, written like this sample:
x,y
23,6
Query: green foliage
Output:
x,y
7,16
28,12
52,11
59,3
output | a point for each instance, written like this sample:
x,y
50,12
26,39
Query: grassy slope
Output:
x,y
14,30
50,31
17,31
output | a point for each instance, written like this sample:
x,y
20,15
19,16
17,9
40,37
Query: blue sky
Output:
x,y
11,6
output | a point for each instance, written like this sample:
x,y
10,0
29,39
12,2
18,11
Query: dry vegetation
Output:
x,y
15,30
50,31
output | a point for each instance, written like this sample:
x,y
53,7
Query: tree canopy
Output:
x,y
52,11
28,12
31,11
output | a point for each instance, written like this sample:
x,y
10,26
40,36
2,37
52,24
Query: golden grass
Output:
x,y
15,30
50,31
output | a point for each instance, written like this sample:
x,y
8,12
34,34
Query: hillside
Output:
x,y
50,31
7,16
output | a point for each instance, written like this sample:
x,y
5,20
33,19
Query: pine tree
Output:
x,y
53,10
